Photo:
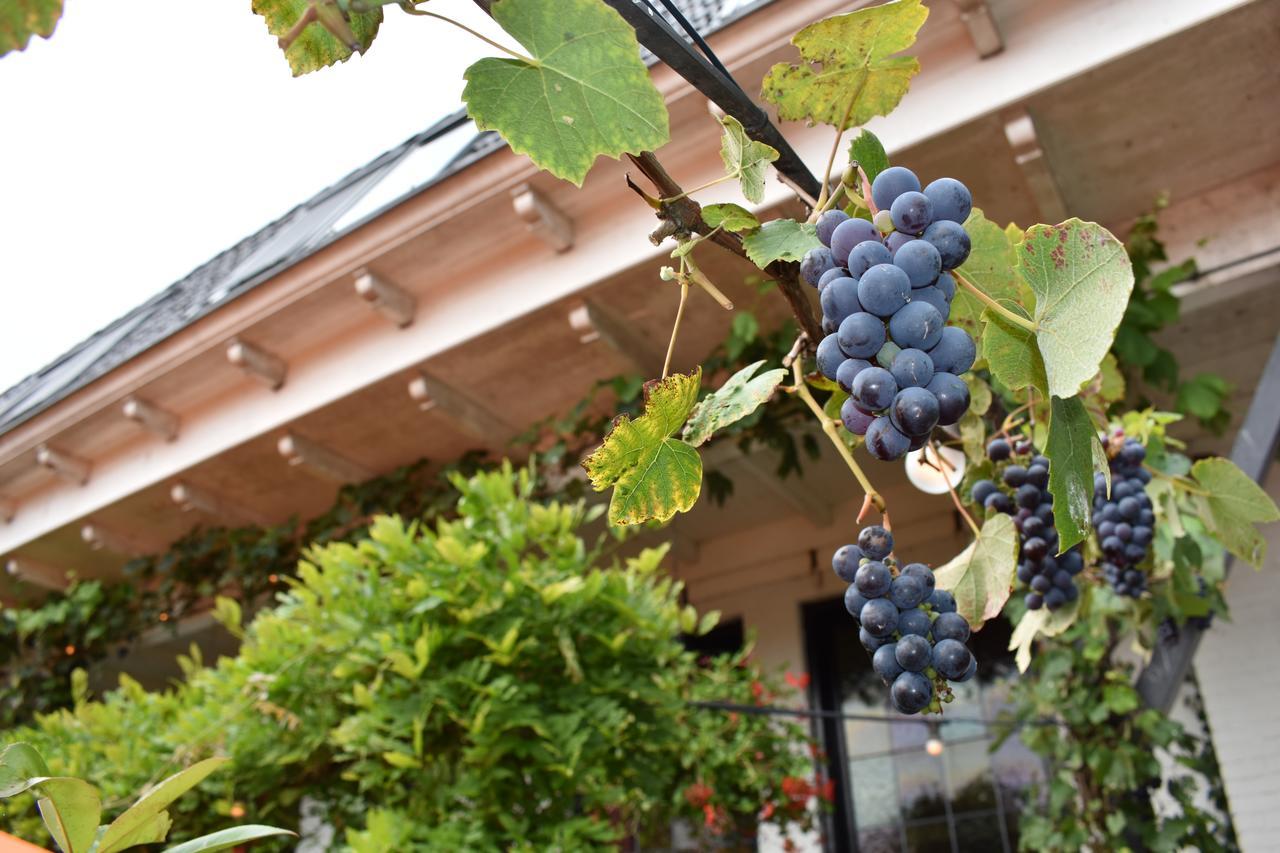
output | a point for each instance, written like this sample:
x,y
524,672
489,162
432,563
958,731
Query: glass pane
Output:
x,y
875,792
1016,769
920,785
979,832
931,837
969,774
864,737
908,735
883,839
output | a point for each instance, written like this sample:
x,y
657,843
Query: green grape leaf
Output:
x,y
22,19
973,436
1111,384
981,576
155,801
70,809
745,159
1039,622
992,267
979,393
225,839
1082,279
1011,353
586,93
318,46
730,217
1234,504
849,73
654,475
867,152
1070,448
738,397
780,240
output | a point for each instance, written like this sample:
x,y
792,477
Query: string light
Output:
x,y
237,810
70,650
925,469
934,745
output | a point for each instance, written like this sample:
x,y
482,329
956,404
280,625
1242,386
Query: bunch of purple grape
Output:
x,y
886,295
912,630
1125,521
1050,578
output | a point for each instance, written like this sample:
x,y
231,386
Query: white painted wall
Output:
x,y
1238,664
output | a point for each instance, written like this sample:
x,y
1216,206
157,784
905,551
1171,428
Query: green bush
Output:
x,y
493,683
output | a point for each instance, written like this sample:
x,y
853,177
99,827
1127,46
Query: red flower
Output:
x,y
828,790
767,811
757,690
797,790
698,795
708,815
799,682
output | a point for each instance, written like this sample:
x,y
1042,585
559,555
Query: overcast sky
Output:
x,y
144,138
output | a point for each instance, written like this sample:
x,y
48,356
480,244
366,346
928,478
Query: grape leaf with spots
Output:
x,y
981,576
745,159
317,47
780,240
22,19
738,397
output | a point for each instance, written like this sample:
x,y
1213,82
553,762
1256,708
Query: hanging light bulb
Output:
x,y
929,470
934,745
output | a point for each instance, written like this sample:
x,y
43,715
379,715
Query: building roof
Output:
x,y
444,149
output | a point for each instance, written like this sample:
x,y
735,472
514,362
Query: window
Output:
x,y
893,797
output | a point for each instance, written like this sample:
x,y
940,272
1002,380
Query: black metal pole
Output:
x,y
662,41
1253,451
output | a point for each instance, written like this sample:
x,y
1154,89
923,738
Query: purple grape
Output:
x,y
891,183
861,335
912,212
883,290
816,261
827,223
848,234
954,351
884,442
951,199
920,261
951,241
866,255
918,325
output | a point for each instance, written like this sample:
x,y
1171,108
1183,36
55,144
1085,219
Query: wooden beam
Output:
x,y
395,303
37,573
8,509
790,490
432,392
263,366
543,218
1020,130
986,36
101,538
190,498
320,460
152,418
73,469
594,320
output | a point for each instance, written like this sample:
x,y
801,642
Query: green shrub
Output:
x,y
493,683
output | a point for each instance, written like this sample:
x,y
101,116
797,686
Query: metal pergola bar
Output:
x,y
1253,451
657,35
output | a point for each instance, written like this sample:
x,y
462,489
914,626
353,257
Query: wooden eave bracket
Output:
x,y
101,538
191,498
320,460
37,573
267,368
593,320
153,419
433,393
981,23
393,302
71,468
543,218
1024,139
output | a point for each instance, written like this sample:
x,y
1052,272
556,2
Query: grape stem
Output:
x,y
1016,319
942,467
675,328
699,188
1181,482
527,60
828,426
835,145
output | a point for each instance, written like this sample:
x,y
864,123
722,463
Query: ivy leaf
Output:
x,y
849,73
991,266
316,46
981,576
738,397
1043,622
1011,353
730,217
1081,278
1070,448
1235,503
654,475
22,19
586,93
745,159
867,151
780,240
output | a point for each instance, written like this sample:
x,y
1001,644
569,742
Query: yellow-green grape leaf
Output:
x,y
654,475
973,436
738,397
992,267
1081,277
317,46
586,93
981,576
730,217
780,240
22,19
1011,353
1039,622
1235,504
1070,448
849,73
1111,386
745,159
867,152
979,393
70,809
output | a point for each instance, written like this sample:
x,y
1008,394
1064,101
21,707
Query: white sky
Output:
x,y
139,142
